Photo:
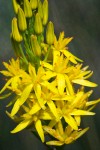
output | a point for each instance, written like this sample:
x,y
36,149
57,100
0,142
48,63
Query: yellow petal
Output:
x,y
53,109
78,120
6,85
56,55
20,101
48,75
36,107
46,115
6,73
71,121
77,99
66,41
46,65
60,128
61,36
63,97
53,132
16,107
32,71
85,74
56,143
69,86
14,83
84,82
69,140
69,55
25,108
50,87
80,133
21,126
52,123
92,102
68,131
82,112
9,115
61,83
37,89
6,65
25,94
38,126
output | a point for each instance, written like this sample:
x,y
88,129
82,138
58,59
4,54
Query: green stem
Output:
x,y
26,43
22,53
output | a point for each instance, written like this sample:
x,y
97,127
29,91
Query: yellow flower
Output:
x,y
13,68
49,94
46,98
66,74
62,42
63,136
60,48
13,74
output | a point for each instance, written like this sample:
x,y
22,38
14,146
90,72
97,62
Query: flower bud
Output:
x,y
45,12
16,6
35,46
21,20
40,9
15,32
50,33
34,4
27,9
38,24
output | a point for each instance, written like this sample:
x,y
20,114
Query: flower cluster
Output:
x,y
46,80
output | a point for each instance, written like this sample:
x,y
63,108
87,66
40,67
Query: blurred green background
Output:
x,y
80,19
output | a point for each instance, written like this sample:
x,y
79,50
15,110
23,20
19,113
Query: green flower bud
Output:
x,y
38,24
35,46
27,9
40,9
34,4
16,6
45,12
50,33
15,32
21,20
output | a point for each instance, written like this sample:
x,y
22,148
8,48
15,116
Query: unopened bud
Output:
x,y
40,9
15,32
35,46
34,4
21,20
16,6
50,33
27,9
38,24
45,12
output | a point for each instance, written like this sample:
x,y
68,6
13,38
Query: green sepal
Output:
x,y
45,12
50,33
21,20
34,4
27,9
38,24
40,9
16,6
